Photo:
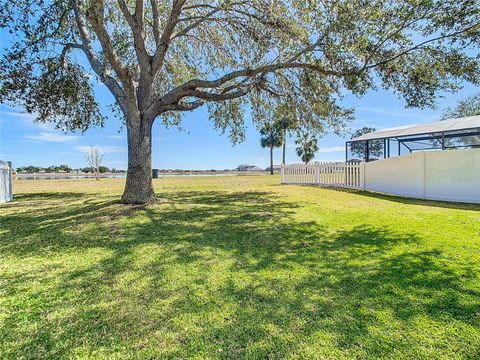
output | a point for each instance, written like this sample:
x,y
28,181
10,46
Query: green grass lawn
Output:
x,y
235,267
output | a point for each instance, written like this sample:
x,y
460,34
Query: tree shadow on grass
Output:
x,y
67,195
422,202
409,200
224,275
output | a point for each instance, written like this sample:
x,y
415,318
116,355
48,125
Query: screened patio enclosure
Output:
x,y
459,133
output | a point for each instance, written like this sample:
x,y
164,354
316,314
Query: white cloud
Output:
x,y
26,118
116,137
49,137
330,149
396,113
102,149
20,115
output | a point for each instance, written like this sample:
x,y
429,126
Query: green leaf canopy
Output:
x,y
160,58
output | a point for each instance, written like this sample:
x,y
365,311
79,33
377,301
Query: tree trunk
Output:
x,y
271,160
284,145
139,186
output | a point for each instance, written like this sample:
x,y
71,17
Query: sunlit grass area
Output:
x,y
235,267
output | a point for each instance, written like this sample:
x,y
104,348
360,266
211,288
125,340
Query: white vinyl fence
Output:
x,y
6,193
338,174
450,175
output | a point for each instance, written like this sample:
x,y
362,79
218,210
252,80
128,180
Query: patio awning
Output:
x,y
443,126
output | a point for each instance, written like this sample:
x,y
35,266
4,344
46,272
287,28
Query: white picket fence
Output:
x,y
337,174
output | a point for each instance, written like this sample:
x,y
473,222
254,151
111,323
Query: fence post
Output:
x,y
10,169
316,173
362,176
282,174
424,179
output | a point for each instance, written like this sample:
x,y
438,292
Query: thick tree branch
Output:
x,y
140,13
137,26
204,97
102,72
165,39
136,23
209,96
185,106
95,17
66,48
156,21
190,87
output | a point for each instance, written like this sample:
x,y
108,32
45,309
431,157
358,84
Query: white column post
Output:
x,y
362,176
10,174
423,175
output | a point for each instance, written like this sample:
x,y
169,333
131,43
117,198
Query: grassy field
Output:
x,y
235,267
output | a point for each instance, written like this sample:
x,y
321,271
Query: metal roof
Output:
x,y
464,123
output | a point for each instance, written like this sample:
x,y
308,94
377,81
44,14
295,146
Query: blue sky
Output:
x,y
199,145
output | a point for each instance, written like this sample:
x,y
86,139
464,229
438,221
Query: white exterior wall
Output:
x,y
451,175
455,175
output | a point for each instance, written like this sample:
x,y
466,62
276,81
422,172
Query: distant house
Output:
x,y
275,168
245,167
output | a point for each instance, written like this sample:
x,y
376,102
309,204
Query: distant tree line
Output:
x,y
65,168
32,168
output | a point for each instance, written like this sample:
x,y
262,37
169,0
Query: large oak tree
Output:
x,y
160,58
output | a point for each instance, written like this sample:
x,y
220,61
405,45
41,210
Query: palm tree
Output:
x,y
271,137
307,146
285,123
